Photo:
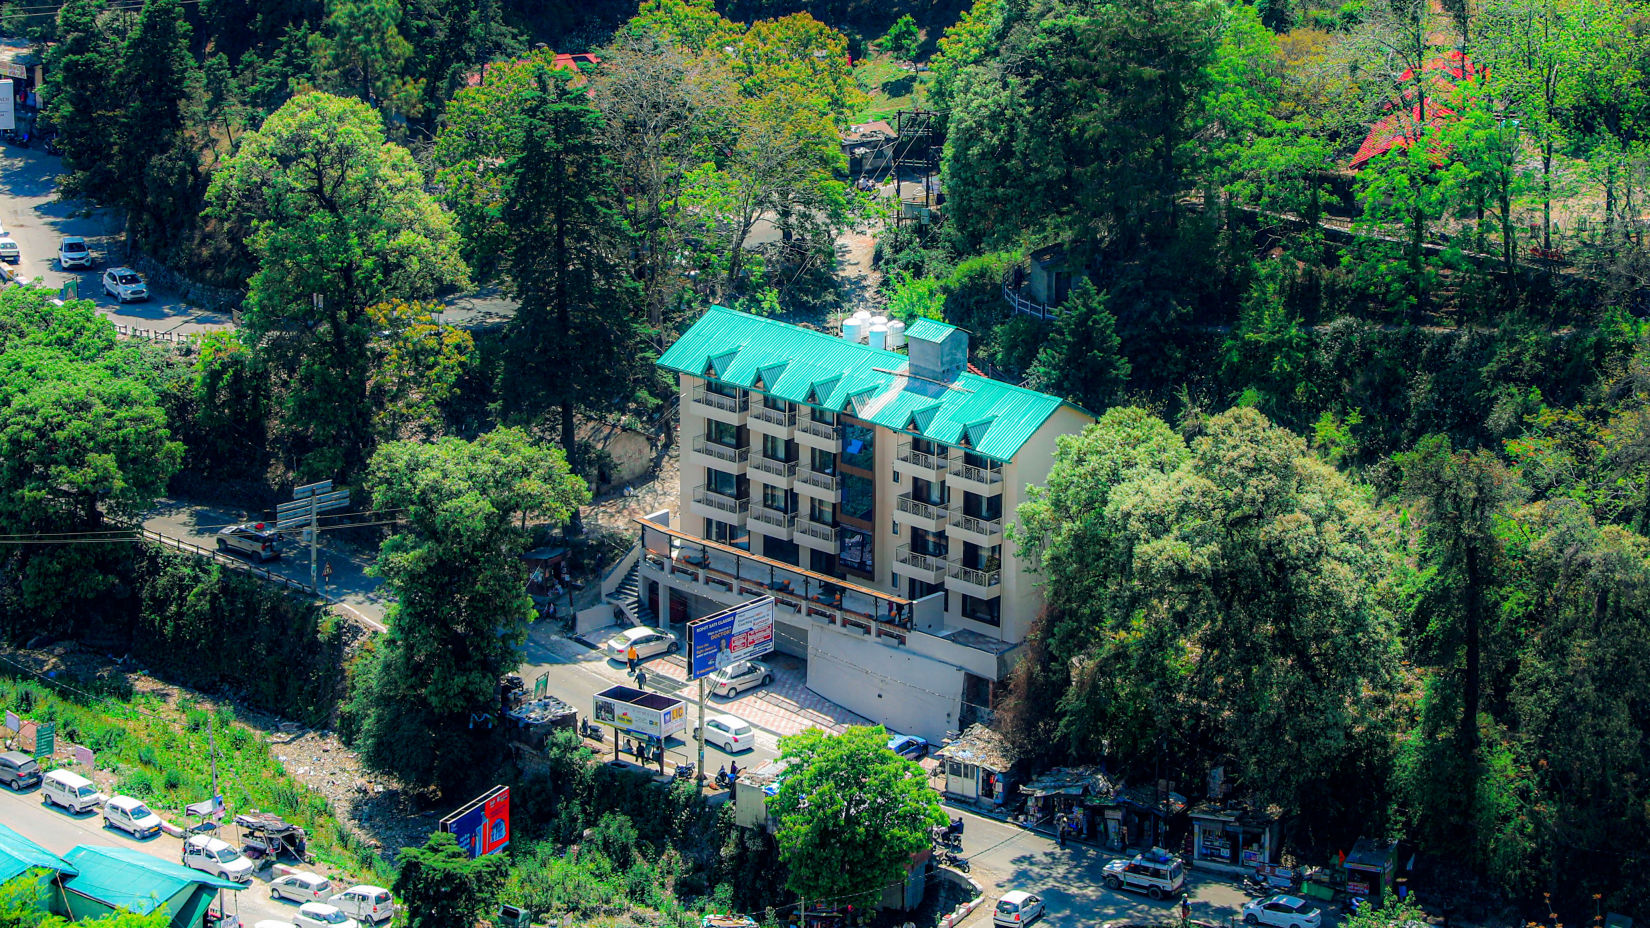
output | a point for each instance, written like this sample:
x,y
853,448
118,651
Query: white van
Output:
x,y
70,791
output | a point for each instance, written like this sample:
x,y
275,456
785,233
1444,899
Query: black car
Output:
x,y
18,770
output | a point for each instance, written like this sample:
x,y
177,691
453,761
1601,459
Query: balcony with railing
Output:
x,y
982,584
720,407
811,434
719,506
818,484
765,420
920,513
722,457
820,536
772,522
929,568
769,471
730,573
913,463
985,481
981,531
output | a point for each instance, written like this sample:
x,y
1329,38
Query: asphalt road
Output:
x,y
58,831
33,217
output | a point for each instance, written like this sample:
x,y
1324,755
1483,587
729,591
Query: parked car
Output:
x,y
215,856
649,642
9,252
125,285
1282,911
300,886
728,733
322,915
131,816
18,770
69,790
1017,908
1158,874
908,746
253,539
366,903
739,677
73,252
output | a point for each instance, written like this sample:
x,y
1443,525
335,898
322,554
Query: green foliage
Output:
x,y
439,884
340,221
916,298
850,814
24,900
902,38
362,50
1083,360
424,703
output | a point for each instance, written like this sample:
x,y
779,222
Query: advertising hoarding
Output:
x,y
638,712
727,637
8,105
483,826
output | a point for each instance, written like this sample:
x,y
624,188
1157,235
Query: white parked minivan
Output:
x,y
70,791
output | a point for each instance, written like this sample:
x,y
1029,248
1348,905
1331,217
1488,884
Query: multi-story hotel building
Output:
x,y
866,490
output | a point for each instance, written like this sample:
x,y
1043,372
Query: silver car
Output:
x,y
737,678
300,886
648,642
125,284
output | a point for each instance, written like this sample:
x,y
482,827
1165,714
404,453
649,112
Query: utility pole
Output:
x,y
308,502
701,767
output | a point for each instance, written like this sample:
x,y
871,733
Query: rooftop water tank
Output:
x,y
879,337
863,319
896,334
852,329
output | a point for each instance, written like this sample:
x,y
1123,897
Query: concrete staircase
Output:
x,y
628,596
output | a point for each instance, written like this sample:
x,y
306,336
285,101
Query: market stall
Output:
x,y
977,766
1371,867
1234,834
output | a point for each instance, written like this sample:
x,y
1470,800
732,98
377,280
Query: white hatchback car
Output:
x,y
322,915
370,904
1017,908
1282,911
300,886
215,856
728,733
131,816
648,641
125,284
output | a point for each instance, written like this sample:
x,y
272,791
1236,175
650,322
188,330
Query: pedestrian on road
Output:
x,y
631,656
1060,827
641,680
1185,910
326,574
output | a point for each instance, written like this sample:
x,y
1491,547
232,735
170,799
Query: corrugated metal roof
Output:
x,y
20,855
990,418
930,330
130,879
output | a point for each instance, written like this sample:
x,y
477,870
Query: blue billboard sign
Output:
x,y
724,638
483,826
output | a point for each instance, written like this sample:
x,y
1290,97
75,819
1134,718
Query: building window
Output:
x,y
859,501
774,402
917,589
720,481
859,447
727,534
778,499
780,550
722,389
979,557
823,415
984,463
855,550
822,562
984,611
932,544
822,461
928,491
775,448
722,433
989,508
822,512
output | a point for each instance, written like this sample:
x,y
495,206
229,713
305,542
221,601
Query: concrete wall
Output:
x,y
1022,597
895,687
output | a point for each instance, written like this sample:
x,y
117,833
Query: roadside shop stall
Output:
x,y
1233,833
977,765
1371,867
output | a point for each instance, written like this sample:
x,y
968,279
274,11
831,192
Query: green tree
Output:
x,y
340,221
1083,360
416,365
902,39
81,67
157,166
576,342
851,813
970,42
1404,193
360,46
439,885
424,705
916,298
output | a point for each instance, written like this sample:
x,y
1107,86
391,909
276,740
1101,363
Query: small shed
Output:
x,y
869,146
1370,870
977,766
19,855
112,878
1232,833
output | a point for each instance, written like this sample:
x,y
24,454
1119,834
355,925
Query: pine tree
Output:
x,y
1083,359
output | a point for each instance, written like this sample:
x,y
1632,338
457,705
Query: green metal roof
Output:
x,y
930,330
130,879
988,417
19,855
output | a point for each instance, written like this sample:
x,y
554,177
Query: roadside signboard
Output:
x,y
724,638
8,104
482,826
45,740
639,712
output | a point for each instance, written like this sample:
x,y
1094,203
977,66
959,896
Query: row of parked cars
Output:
x,y
122,284
319,907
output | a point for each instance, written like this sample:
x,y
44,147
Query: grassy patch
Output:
x,y
157,750
890,86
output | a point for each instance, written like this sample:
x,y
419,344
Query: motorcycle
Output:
x,y
1254,885
589,730
685,771
954,860
723,781
945,837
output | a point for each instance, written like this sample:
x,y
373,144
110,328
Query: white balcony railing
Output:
x,y
922,509
717,401
973,474
976,525
773,518
819,430
721,502
830,483
783,418
720,452
784,470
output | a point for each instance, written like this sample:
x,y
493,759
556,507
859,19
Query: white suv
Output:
x,y
131,816
124,284
73,252
253,539
215,856
1156,873
365,904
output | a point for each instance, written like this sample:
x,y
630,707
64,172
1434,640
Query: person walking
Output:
x,y
641,680
1060,827
630,656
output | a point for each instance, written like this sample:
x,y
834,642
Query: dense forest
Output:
x,y
1357,293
